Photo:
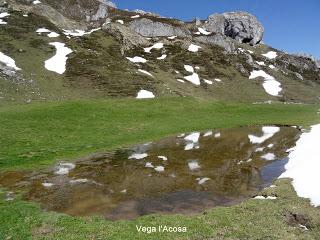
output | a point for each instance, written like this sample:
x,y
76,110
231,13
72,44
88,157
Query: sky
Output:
x,y
290,25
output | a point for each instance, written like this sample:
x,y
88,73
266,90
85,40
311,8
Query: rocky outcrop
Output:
x,y
241,26
49,13
126,36
217,39
149,28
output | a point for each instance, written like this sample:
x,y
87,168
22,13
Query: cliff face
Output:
x,y
117,53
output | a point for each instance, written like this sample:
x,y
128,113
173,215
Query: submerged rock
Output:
x,y
241,26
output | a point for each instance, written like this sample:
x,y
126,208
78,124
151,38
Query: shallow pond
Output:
x,y
184,174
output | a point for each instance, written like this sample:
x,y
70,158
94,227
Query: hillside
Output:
x,y
96,50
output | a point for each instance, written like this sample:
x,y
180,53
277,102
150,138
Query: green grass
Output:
x,y
37,135
252,219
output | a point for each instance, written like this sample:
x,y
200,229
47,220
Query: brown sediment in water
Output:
x,y
220,168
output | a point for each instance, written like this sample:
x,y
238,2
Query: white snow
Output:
x,y
272,66
268,132
43,30
64,168
8,61
50,33
4,14
143,94
203,31
269,157
202,180
259,149
58,62
260,63
208,81
193,48
192,140
172,37
189,68
193,165
25,15
164,158
207,134
265,198
270,55
194,78
137,59
217,135
271,86
155,46
164,56
138,156
159,169
36,2
180,80
304,166
120,21
47,185
218,80
135,16
149,165
145,72
193,137
78,33
53,35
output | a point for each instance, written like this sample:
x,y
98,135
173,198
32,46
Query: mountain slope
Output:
x,y
113,59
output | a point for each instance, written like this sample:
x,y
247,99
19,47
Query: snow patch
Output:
x,y
138,156
193,48
203,31
135,16
194,78
155,46
145,72
265,198
269,157
8,61
271,86
79,33
304,166
36,2
270,55
120,21
202,180
172,37
58,62
137,59
268,132
207,134
159,169
164,158
189,68
193,165
208,81
144,94
64,168
164,56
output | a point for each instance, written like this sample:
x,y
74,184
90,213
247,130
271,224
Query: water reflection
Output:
x,y
183,174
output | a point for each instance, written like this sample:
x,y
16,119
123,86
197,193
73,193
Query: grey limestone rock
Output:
x,y
241,26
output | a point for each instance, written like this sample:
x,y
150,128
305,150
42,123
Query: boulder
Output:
x,y
241,26
149,28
